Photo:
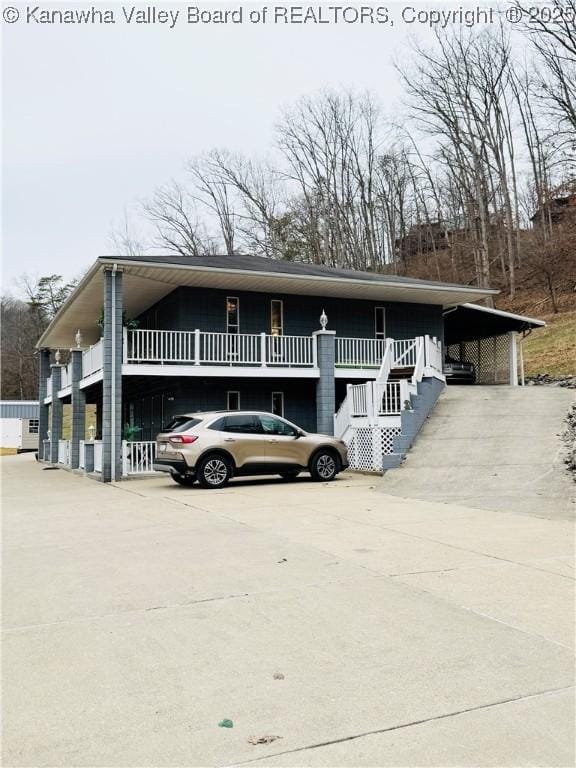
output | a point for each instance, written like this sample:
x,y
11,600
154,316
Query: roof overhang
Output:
x,y
145,283
470,322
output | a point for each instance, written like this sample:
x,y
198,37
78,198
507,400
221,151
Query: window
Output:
x,y
276,317
245,424
180,424
232,401
273,426
380,322
33,426
232,315
278,403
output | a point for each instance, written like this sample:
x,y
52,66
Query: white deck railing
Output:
x,y
92,359
433,354
207,348
49,386
82,454
98,455
66,378
359,353
63,452
138,457
404,352
291,351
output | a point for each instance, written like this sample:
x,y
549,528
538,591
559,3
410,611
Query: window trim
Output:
x,y
232,392
272,411
237,326
379,334
281,302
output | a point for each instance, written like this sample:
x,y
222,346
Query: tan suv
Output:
x,y
213,447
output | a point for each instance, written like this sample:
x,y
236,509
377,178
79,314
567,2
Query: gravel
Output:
x,y
569,437
545,379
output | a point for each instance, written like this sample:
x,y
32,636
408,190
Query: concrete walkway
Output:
x,y
496,448
359,628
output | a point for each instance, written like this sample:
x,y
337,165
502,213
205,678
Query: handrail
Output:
x,y
420,359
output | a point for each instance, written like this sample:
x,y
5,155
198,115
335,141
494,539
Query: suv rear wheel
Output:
x,y
324,466
187,480
214,471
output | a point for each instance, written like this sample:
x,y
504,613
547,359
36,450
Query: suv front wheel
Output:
x,y
214,471
324,466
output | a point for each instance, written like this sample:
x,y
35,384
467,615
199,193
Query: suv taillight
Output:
x,y
183,439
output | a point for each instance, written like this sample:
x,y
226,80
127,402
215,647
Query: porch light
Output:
x,y
323,320
78,339
91,432
57,356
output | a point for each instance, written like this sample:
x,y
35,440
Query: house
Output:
x,y
332,350
19,425
561,209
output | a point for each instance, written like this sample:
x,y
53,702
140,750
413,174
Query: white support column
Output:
x,y
513,359
197,346
521,350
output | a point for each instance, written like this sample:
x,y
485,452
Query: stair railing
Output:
x,y
387,360
420,360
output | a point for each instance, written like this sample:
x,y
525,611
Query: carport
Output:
x,y
489,338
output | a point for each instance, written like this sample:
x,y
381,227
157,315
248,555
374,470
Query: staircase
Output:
x,y
379,419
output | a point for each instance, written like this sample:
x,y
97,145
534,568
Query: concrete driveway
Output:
x,y
359,628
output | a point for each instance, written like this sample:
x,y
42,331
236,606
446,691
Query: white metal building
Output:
x,y
19,424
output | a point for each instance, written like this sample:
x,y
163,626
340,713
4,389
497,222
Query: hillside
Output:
x,y
552,349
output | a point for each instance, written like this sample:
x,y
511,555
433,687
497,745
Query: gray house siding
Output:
x,y
189,308
149,404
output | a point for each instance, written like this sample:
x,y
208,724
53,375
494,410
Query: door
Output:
x,y
284,447
242,437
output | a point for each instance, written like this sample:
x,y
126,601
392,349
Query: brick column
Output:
x,y
112,377
43,425
78,421
325,387
57,411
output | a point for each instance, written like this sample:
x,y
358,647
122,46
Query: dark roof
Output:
x,y
276,266
469,322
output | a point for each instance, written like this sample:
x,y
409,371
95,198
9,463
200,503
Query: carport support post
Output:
x,y
513,358
112,376
78,408
43,425
57,411
325,387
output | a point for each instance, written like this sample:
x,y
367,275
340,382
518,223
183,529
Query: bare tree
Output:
x,y
171,210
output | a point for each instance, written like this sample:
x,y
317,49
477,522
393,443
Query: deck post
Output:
x,y
43,373
78,421
56,411
112,376
325,387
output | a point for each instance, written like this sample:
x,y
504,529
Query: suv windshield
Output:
x,y
180,424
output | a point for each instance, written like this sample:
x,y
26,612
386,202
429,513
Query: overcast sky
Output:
x,y
95,116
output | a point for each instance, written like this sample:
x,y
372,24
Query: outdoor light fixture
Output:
x,y
91,432
57,356
78,339
323,320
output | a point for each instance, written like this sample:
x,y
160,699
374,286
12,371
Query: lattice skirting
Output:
x,y
491,357
367,445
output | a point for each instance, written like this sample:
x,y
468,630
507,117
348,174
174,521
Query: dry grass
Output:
x,y
552,349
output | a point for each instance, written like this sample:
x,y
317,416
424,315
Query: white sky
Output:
x,y
95,116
